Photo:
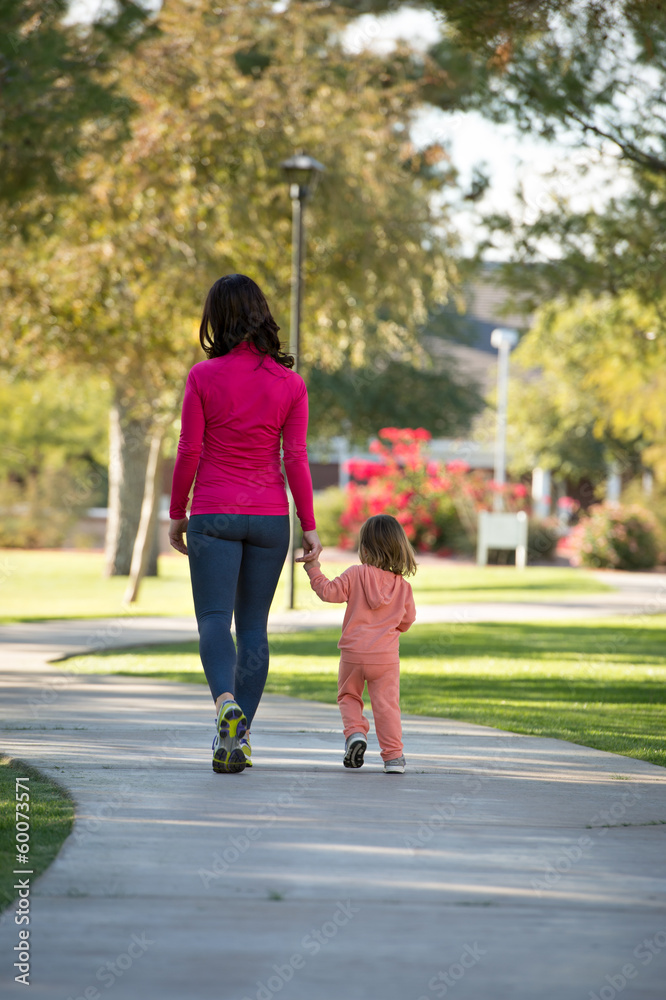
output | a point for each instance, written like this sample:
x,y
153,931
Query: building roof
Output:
x,y
465,340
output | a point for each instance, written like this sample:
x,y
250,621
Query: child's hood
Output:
x,y
380,586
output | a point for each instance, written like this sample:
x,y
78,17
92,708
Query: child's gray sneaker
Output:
x,y
355,747
396,766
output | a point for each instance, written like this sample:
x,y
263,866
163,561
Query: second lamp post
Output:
x,y
503,340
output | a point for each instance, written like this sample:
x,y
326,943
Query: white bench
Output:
x,y
502,531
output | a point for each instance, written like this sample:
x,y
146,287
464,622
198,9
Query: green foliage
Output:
x,y
52,463
587,388
655,502
53,421
543,535
616,537
617,249
592,75
116,280
59,90
358,400
595,69
329,505
32,516
596,72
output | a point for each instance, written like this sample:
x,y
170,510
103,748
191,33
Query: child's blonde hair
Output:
x,y
383,543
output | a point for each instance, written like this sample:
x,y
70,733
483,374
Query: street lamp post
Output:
x,y
302,174
503,340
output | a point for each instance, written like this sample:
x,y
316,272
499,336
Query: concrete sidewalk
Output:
x,y
499,866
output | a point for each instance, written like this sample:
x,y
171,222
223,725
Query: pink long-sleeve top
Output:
x,y
380,605
236,409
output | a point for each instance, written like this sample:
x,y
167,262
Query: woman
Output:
x,y
237,407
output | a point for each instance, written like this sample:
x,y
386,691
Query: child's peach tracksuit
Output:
x,y
380,606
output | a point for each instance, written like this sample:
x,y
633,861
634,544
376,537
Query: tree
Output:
x,y
587,74
591,75
603,252
59,89
593,69
115,281
359,400
53,458
598,392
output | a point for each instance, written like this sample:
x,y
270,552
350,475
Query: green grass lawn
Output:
x,y
597,683
40,585
51,815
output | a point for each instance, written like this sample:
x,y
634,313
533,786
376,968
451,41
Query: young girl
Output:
x,y
380,606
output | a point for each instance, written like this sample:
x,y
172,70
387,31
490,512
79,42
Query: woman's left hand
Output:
x,y
176,531
312,547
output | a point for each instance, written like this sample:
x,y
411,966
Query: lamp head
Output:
x,y
303,173
502,336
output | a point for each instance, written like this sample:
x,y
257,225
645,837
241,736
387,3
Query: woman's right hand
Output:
x,y
177,529
312,547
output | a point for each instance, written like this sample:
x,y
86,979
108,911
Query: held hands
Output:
x,y
312,548
313,564
176,531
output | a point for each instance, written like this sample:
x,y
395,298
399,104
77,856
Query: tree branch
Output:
x,y
629,150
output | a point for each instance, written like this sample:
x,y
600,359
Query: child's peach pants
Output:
x,y
384,690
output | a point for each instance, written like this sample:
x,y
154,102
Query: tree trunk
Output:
x,y
144,544
151,568
154,538
129,451
129,447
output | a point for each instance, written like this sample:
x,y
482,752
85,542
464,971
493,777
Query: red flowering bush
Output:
x,y
437,506
398,483
615,537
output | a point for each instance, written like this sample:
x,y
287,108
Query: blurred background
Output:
x,y
486,164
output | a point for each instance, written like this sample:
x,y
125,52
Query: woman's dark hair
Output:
x,y
383,543
236,309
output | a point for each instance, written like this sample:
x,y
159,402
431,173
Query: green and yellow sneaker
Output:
x,y
228,757
247,749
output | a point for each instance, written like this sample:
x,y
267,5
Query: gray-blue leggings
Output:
x,y
235,565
